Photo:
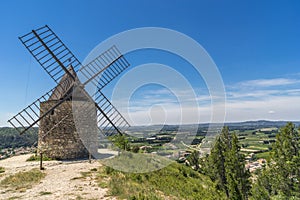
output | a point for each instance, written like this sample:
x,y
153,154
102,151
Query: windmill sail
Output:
x,y
50,52
116,123
104,68
30,116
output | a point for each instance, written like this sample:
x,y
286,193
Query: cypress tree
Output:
x,y
226,166
282,175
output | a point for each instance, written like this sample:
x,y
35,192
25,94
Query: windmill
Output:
x,y
58,136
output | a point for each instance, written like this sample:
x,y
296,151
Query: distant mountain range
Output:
x,y
232,125
262,123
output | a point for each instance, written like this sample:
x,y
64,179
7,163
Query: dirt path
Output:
x,y
62,180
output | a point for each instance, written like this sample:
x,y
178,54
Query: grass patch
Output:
x,y
2,170
265,155
14,197
45,193
23,180
78,197
137,162
38,158
85,174
175,181
103,184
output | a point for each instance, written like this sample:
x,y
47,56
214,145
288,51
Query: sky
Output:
x,y
254,44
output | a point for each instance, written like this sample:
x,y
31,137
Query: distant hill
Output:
x,y
248,125
10,138
260,124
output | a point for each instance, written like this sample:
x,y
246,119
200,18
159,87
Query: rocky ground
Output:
x,y
63,180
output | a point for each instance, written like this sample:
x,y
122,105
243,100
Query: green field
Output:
x,y
258,141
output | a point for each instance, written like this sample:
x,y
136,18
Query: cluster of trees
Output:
x,y
279,179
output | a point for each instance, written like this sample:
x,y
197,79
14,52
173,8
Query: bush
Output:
x,y
109,170
37,158
135,149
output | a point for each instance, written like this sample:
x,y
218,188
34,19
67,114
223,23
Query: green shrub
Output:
x,y
109,170
37,158
93,170
2,170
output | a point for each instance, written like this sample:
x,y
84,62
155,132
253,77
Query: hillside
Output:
x,y
10,138
176,181
82,180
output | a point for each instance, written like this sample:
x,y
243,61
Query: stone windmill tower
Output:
x,y
58,137
53,113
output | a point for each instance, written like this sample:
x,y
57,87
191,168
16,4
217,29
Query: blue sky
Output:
x,y
255,45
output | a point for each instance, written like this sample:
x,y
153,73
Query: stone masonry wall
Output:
x,y
61,140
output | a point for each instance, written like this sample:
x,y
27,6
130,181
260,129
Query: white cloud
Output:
x,y
275,108
281,108
249,100
268,82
